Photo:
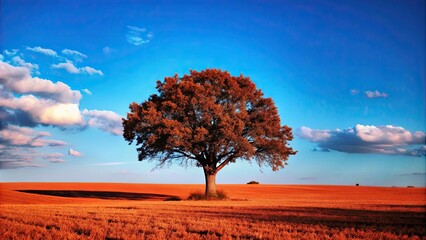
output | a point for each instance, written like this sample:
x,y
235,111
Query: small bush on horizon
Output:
x,y
253,182
220,195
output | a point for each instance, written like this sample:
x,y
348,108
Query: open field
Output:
x,y
150,211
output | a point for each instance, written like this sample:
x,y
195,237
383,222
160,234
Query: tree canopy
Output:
x,y
209,119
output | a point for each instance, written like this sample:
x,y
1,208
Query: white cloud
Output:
x,y
136,29
105,120
44,51
375,94
138,36
314,135
87,91
68,66
27,102
392,140
20,62
78,56
74,153
18,80
388,134
45,111
91,71
71,68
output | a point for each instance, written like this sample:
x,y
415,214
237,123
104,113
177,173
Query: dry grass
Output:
x,y
138,211
220,195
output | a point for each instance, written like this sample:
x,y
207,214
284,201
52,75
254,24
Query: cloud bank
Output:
x,y
391,140
42,101
18,144
27,102
18,80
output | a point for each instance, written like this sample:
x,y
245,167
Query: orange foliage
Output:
x,y
208,119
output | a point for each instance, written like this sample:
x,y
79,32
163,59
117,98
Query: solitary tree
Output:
x,y
208,119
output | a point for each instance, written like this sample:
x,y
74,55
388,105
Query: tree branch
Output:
x,y
224,163
184,154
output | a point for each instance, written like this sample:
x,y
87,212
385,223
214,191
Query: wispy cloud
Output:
x,y
138,36
26,137
376,94
31,66
107,50
78,56
354,91
11,52
68,66
44,51
71,68
413,174
87,91
105,120
318,149
13,164
91,71
74,153
391,140
54,157
56,160
18,144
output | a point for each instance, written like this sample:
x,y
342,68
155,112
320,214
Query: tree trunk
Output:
x,y
210,183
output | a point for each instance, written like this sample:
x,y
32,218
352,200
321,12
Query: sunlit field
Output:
x,y
153,211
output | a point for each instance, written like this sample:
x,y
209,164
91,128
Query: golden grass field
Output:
x,y
150,211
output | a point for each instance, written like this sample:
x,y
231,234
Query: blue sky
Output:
x,y
347,76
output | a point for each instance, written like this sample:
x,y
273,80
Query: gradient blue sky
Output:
x,y
347,76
